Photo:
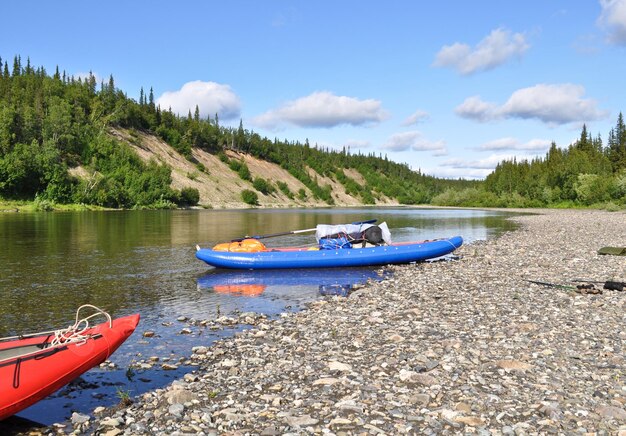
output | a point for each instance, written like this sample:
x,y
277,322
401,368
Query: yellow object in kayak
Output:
x,y
246,246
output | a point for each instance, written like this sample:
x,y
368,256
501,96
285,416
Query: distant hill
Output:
x,y
71,140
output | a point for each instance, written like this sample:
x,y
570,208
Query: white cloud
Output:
x,y
414,140
415,118
488,163
468,169
401,141
477,168
323,109
475,108
456,173
552,104
536,145
613,19
495,49
539,145
210,97
499,144
437,147
559,104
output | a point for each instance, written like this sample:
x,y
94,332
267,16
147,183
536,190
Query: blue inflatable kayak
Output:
x,y
287,258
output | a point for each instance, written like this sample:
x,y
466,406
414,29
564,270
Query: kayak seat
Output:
x,y
11,353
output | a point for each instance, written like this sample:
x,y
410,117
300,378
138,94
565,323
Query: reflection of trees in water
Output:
x,y
56,262
126,261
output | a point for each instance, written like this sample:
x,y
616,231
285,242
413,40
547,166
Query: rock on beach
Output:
x,y
466,346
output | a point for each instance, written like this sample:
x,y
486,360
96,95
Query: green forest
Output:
x,y
585,174
51,123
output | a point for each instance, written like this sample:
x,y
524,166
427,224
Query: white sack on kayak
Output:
x,y
386,232
325,230
352,230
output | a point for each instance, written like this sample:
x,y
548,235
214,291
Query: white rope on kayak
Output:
x,y
54,332
450,242
76,333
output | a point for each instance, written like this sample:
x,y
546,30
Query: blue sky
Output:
x,y
449,87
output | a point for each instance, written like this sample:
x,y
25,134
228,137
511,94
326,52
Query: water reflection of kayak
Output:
x,y
251,283
287,277
245,290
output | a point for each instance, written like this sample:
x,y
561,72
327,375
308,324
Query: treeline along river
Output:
x,y
143,262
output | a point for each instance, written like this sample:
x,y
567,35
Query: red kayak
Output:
x,y
34,366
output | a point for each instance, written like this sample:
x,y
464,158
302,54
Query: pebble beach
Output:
x,y
466,346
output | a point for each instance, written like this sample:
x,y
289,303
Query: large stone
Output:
x,y
180,396
339,422
111,422
349,406
301,421
79,418
338,366
612,412
327,381
176,409
201,349
228,363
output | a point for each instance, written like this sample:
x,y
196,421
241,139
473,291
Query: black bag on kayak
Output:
x,y
373,235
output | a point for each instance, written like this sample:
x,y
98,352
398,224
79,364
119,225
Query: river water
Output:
x,y
143,262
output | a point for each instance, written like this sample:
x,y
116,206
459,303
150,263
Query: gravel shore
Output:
x,y
465,346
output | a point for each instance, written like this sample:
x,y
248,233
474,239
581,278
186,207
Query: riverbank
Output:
x,y
462,346
16,206
8,206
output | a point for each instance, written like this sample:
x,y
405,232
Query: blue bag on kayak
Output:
x,y
334,243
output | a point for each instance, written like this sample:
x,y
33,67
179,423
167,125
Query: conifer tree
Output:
x,y
17,66
151,99
196,114
617,145
583,142
91,82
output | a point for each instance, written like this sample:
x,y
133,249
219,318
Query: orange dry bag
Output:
x,y
245,246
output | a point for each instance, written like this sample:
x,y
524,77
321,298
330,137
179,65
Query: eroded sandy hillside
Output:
x,y
221,187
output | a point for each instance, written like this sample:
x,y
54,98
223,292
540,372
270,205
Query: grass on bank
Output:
x,y
43,206
40,205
